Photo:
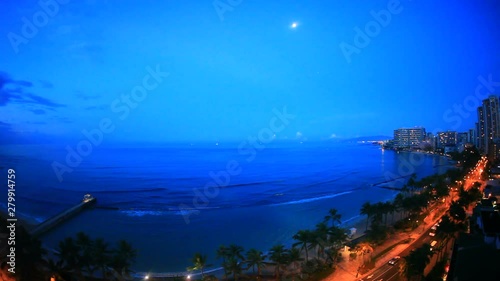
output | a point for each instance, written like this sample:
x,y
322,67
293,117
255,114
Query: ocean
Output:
x,y
171,201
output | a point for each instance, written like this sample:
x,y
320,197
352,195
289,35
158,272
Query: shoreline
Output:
x,y
354,221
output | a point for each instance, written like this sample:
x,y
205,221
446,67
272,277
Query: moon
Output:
x,y
294,25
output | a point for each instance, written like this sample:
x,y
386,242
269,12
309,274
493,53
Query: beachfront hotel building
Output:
x,y
409,137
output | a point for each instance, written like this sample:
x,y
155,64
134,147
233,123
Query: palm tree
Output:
x,y
223,253
388,208
457,212
69,253
255,258
236,251
233,266
405,190
398,203
365,248
294,258
320,238
391,208
123,258
29,256
336,237
55,268
408,205
303,237
199,263
448,228
412,181
85,245
367,209
334,216
378,212
415,263
102,256
279,257
382,210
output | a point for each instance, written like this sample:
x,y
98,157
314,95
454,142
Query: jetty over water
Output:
x,y
47,225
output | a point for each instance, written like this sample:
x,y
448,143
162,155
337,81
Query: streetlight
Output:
x,y
146,277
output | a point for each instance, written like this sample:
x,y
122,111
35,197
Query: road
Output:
x,y
389,272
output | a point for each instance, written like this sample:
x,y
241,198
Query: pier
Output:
x,y
47,225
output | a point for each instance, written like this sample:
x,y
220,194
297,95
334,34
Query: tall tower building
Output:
x,y
480,136
472,136
489,122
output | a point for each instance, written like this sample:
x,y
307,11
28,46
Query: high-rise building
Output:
x,y
472,136
448,138
462,138
480,136
409,137
488,122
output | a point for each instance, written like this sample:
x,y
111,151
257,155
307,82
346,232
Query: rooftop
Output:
x,y
491,222
474,260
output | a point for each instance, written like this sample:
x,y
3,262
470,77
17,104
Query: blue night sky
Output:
x,y
66,68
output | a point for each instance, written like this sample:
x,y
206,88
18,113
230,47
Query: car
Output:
x,y
394,260
432,234
434,227
433,244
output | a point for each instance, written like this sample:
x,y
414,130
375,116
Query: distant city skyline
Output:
x,y
200,72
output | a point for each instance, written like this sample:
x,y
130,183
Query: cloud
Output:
x,y
67,29
6,132
6,95
37,122
38,111
46,84
5,126
14,91
63,119
83,96
97,107
299,135
87,50
42,101
333,136
5,79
